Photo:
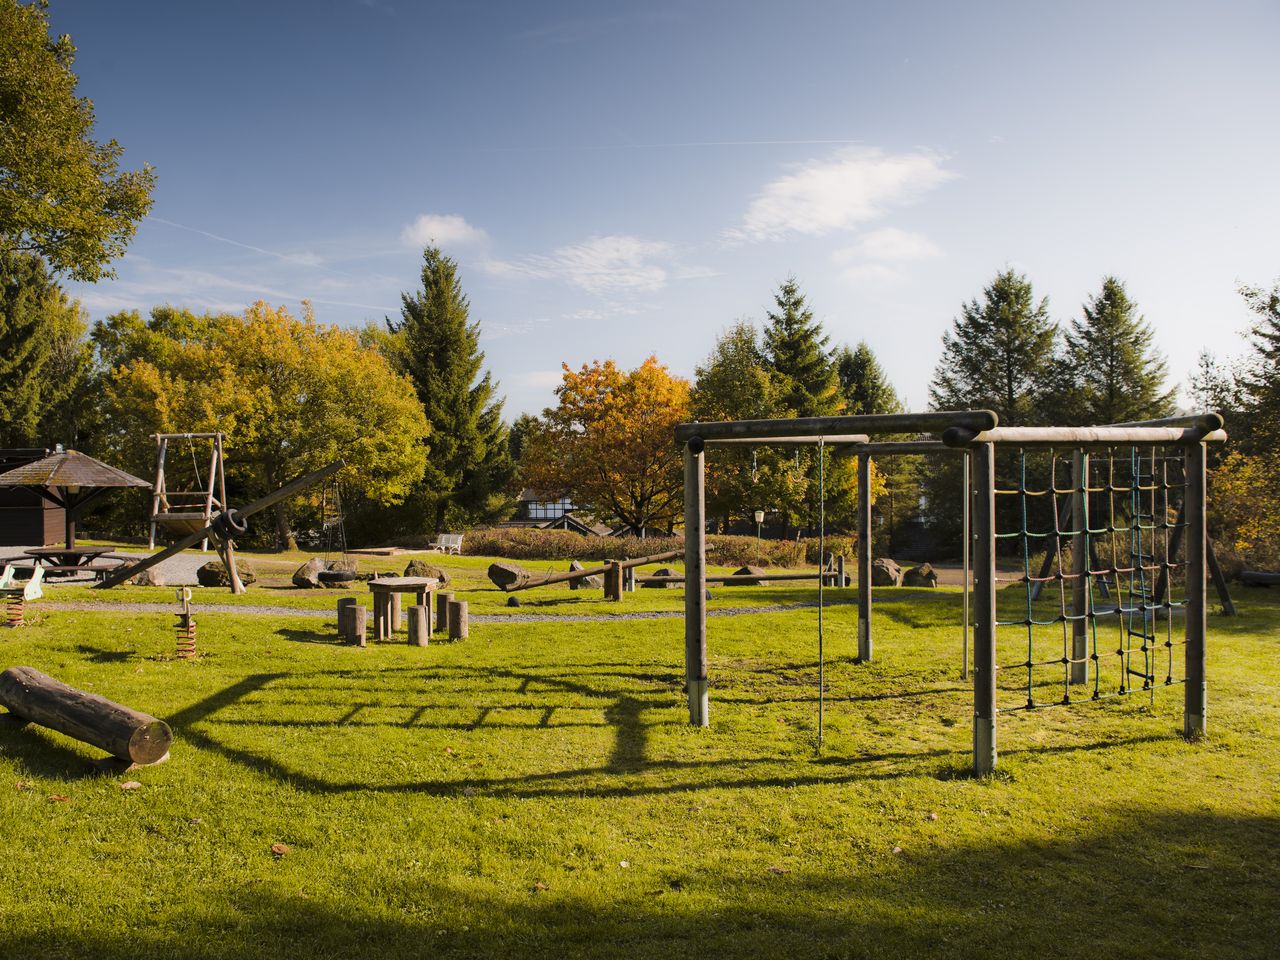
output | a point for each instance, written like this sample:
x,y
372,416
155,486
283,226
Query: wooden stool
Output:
x,y
419,625
458,624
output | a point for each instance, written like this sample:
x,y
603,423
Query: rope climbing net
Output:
x,y
1096,536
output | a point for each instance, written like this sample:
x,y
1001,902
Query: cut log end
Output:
x,y
150,743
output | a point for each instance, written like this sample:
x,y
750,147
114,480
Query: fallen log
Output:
x,y
738,579
127,734
511,577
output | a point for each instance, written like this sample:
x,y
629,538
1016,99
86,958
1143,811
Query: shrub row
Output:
x,y
522,543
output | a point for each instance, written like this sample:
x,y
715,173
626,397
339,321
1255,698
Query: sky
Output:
x,y
617,179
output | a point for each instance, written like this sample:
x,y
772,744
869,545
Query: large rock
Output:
x,y
307,576
214,574
150,577
885,573
664,572
749,571
921,576
593,582
506,575
420,568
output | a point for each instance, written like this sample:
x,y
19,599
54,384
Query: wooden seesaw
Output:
x,y
132,738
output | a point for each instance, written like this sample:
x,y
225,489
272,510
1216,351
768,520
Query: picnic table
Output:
x,y
386,600
67,560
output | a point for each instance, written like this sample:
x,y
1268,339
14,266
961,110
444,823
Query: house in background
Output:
x,y
26,518
538,511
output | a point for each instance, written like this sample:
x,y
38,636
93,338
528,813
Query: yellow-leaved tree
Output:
x,y
290,395
609,444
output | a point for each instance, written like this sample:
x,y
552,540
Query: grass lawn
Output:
x,y
536,791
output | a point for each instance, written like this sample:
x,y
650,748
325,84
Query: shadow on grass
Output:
x,y
1143,884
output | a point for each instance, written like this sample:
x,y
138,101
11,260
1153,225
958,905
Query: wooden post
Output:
x,y
1080,592
459,626
695,584
1196,698
841,580
345,619
359,622
157,490
419,625
864,558
613,581
629,579
984,608
122,732
397,617
443,599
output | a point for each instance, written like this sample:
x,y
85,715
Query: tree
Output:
x,y
1110,371
864,386
27,294
290,395
62,194
1258,378
608,444
796,350
735,383
439,349
999,354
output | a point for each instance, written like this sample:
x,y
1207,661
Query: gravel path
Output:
x,y
269,611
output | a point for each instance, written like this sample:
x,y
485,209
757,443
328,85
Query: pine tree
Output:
x,y
999,355
864,385
796,350
27,298
1259,377
470,460
1111,373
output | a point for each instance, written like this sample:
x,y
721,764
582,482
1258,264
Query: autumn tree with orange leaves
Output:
x,y
609,444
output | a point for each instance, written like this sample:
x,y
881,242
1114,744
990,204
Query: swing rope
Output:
x,y
822,552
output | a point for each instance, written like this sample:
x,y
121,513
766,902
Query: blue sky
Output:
x,y
621,179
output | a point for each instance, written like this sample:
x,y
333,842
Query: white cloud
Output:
x,y
856,185
889,245
600,265
443,229
871,275
542,379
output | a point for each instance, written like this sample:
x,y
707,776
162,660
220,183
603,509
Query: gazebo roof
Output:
x,y
69,468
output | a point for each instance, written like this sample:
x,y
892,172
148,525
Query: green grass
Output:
x,y
481,798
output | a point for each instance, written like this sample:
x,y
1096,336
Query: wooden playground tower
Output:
x,y
188,511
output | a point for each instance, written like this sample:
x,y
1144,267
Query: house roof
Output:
x,y
69,468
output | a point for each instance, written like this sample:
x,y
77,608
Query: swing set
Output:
x,y
189,507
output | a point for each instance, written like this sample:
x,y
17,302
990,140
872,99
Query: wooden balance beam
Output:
x,y
133,737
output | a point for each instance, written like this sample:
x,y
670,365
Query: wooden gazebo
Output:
x,y
71,480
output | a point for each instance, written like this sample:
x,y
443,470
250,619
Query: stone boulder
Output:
x,y
885,573
420,568
664,572
513,601
214,574
593,582
151,577
921,576
506,575
307,576
749,571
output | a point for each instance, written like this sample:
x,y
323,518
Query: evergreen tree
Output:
x,y
864,385
1111,373
1258,379
470,460
796,350
28,298
999,355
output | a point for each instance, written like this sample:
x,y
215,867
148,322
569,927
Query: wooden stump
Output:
x,y
397,619
346,606
419,626
124,733
458,623
613,581
358,621
443,600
